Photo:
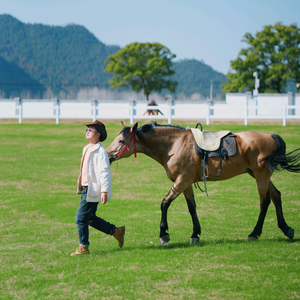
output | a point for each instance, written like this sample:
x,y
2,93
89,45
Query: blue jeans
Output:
x,y
86,215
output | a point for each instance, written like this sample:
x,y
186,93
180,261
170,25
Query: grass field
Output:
x,y
38,202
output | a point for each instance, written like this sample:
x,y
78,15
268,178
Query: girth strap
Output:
x,y
204,175
226,143
224,154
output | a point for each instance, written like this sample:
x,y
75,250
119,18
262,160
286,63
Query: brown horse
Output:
x,y
257,154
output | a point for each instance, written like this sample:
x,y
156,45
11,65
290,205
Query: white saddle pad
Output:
x,y
208,141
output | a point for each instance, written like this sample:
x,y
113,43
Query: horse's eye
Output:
x,y
121,141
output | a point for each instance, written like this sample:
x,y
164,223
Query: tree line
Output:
x,y
70,57
274,53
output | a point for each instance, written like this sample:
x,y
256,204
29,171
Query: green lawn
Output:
x,y
39,166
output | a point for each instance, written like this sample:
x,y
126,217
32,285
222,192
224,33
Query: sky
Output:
x,y
207,30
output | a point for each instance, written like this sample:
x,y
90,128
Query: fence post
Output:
x,y
17,108
20,110
169,102
207,114
94,109
246,114
131,102
291,101
284,115
56,109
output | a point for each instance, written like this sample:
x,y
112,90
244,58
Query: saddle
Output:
x,y
208,141
206,144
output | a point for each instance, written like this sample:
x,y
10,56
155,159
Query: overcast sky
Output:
x,y
208,30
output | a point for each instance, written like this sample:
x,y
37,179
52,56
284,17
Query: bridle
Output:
x,y
127,148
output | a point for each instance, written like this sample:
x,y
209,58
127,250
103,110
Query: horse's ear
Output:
x,y
134,127
123,125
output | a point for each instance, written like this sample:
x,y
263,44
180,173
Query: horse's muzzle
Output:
x,y
111,159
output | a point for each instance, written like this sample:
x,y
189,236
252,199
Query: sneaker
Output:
x,y
81,250
119,235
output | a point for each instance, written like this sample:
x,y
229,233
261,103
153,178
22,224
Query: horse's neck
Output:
x,y
160,143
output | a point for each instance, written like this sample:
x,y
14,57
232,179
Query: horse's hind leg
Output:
x,y
263,190
190,200
276,198
260,222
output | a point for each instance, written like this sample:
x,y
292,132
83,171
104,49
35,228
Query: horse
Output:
x,y
258,154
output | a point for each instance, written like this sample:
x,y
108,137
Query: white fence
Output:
x,y
237,106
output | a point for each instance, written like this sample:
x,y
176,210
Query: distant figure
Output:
x,y
152,103
151,111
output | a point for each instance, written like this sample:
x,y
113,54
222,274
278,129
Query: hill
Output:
x,y
14,81
194,76
67,59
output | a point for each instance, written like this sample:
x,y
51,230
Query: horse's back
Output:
x,y
255,141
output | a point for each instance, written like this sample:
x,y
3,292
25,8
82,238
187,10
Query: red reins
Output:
x,y
127,146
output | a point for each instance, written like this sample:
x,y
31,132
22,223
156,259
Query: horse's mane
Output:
x,y
154,124
140,133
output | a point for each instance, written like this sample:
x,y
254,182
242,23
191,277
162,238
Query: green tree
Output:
x,y
274,53
142,66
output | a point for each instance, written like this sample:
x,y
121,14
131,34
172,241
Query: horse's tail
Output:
x,y
279,160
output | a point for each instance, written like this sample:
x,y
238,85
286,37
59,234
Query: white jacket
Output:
x,y
98,174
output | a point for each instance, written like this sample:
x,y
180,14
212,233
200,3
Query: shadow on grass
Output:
x,y
201,244
217,242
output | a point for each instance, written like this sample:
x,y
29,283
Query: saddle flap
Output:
x,y
208,141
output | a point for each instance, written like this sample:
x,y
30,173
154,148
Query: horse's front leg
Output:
x,y
164,236
191,203
178,187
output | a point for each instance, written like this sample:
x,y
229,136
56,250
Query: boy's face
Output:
x,y
92,135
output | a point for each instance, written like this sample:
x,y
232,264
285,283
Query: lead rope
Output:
x,y
116,169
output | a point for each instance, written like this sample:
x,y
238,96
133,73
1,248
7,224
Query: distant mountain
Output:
x,y
67,59
54,55
194,76
14,81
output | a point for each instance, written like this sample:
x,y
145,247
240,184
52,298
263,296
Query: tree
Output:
x,y
274,53
142,66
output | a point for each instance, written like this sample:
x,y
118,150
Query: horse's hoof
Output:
x,y
290,233
165,239
252,238
194,240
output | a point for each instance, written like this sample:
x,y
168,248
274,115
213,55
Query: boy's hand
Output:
x,y
103,198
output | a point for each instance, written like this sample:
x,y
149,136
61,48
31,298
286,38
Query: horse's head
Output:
x,y
123,145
